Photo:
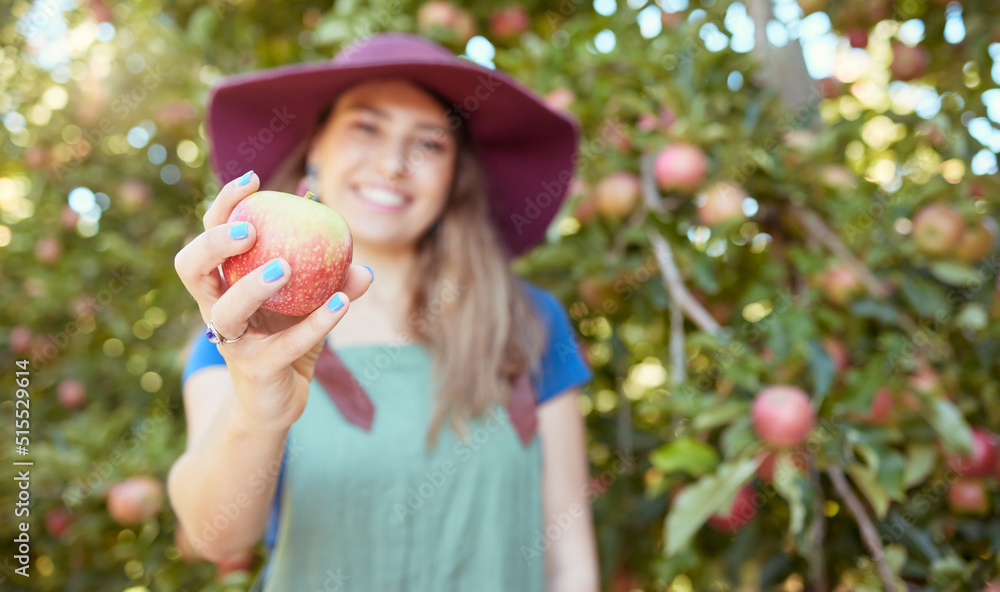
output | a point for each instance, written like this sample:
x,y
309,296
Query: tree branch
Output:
x,y
665,259
818,229
817,533
868,532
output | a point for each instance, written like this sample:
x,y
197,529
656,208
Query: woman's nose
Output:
x,y
393,160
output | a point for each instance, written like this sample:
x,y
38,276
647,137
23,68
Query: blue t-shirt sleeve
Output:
x,y
203,353
562,366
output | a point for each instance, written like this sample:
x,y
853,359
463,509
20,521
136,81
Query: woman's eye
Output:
x,y
365,126
432,146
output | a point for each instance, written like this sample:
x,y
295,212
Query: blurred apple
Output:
x,y
176,113
134,500
838,177
882,406
982,460
858,37
739,514
36,157
71,393
134,195
560,99
977,241
840,284
509,21
48,249
442,14
937,228
722,202
830,87
670,20
837,352
20,339
783,416
680,166
57,522
617,194
68,218
908,63
968,496
769,463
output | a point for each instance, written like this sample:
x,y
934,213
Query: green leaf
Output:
x,y
720,415
891,472
822,368
790,485
873,309
925,296
947,420
954,274
685,454
697,502
920,462
867,481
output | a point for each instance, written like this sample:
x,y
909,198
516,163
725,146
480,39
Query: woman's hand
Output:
x,y
272,365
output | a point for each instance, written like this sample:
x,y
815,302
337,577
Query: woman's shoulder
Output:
x,y
545,302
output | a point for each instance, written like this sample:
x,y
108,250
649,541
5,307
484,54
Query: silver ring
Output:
x,y
215,337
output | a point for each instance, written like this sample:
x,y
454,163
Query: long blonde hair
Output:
x,y
477,319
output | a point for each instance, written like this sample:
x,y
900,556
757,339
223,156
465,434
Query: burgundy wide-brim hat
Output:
x,y
527,150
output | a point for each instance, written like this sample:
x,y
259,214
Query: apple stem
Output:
x,y
869,534
309,195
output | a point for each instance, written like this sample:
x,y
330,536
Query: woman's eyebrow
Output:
x,y
381,114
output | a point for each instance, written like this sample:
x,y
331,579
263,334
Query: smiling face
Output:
x,y
385,160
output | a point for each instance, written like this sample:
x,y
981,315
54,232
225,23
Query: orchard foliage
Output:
x,y
786,286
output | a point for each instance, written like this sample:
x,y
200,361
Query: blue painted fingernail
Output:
x,y
371,271
336,303
273,271
239,230
245,178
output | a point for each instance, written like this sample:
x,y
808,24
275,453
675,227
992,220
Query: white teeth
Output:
x,y
381,197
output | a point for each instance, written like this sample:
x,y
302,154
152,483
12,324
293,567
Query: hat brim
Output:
x,y
526,149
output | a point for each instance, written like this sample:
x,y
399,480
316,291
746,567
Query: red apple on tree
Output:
x,y
968,496
509,21
977,241
48,249
858,38
312,237
937,228
882,404
722,202
981,460
560,98
57,522
769,464
783,416
134,195
840,284
617,194
739,514
680,166
442,14
20,339
134,500
908,63
71,393
837,352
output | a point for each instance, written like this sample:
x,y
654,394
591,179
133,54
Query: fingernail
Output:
x,y
371,271
239,230
273,271
336,303
245,178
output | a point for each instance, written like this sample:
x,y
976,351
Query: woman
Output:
x,y
430,439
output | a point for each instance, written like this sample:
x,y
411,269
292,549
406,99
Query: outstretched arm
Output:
x,y
571,560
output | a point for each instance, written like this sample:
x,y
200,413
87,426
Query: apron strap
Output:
x,y
343,389
357,408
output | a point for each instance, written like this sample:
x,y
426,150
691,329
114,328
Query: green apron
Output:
x,y
377,512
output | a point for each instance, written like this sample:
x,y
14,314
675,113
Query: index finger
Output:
x,y
230,195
